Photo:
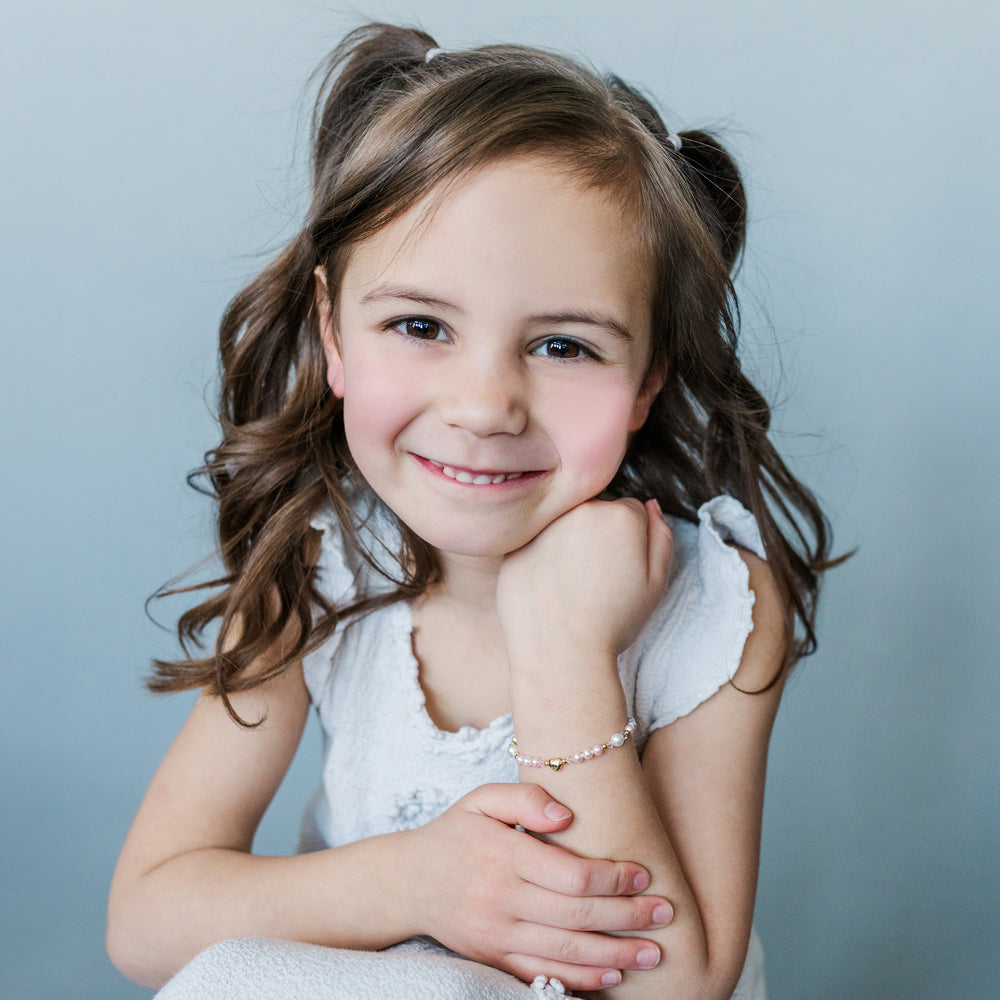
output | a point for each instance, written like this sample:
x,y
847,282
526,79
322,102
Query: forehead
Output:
x,y
521,234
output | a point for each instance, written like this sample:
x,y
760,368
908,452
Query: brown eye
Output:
x,y
420,328
562,348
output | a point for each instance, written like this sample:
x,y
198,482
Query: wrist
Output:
x,y
590,751
561,660
407,871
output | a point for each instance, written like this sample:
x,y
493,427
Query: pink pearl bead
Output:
x,y
598,749
577,758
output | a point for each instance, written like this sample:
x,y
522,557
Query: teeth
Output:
x,y
483,479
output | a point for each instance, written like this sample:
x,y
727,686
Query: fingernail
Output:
x,y
557,812
662,914
641,881
611,978
647,958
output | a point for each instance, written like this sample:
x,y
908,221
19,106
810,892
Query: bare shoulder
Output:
x,y
766,646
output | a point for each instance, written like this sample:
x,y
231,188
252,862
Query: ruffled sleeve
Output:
x,y
693,641
335,577
337,581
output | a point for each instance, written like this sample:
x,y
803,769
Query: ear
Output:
x,y
328,334
649,391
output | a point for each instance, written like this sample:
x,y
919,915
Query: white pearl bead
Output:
x,y
588,753
617,740
598,749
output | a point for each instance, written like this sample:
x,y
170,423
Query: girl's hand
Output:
x,y
588,582
499,896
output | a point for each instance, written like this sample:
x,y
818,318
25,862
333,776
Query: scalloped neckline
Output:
x,y
403,633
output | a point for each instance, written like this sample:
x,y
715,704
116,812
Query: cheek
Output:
x,y
378,404
593,432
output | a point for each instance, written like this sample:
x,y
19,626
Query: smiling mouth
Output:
x,y
474,477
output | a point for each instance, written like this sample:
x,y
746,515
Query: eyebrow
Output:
x,y
383,292
418,295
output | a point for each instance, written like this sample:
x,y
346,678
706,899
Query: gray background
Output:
x,y
147,163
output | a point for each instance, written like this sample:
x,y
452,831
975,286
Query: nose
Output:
x,y
485,395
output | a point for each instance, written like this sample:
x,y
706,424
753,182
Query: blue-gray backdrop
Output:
x,y
147,161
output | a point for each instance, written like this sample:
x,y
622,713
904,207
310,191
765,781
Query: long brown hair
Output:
x,y
390,126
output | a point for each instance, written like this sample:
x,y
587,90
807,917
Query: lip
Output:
x,y
477,478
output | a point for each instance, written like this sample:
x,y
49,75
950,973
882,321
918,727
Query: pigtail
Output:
x,y
370,66
719,191
714,179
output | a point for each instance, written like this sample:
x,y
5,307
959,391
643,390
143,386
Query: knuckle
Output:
x,y
639,916
625,953
579,880
624,881
582,916
532,795
567,950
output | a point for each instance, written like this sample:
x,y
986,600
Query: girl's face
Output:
x,y
492,355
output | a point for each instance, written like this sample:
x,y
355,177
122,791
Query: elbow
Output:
x,y
127,960
687,969
677,979
123,956
711,976
128,951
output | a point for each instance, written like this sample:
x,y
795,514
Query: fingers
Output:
x,y
524,805
596,913
581,961
596,950
550,867
573,977
546,865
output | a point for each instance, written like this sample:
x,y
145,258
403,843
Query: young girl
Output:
x,y
488,467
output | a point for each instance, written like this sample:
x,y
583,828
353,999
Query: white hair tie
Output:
x,y
431,53
675,140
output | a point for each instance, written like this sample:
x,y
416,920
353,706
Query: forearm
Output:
x,y
346,897
562,705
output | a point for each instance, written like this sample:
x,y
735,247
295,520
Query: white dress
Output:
x,y
387,767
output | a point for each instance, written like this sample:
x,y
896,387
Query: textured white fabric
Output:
x,y
267,969
387,766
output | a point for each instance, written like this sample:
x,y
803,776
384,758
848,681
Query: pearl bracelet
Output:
x,y
557,763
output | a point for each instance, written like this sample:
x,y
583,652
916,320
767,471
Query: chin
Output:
x,y
477,545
